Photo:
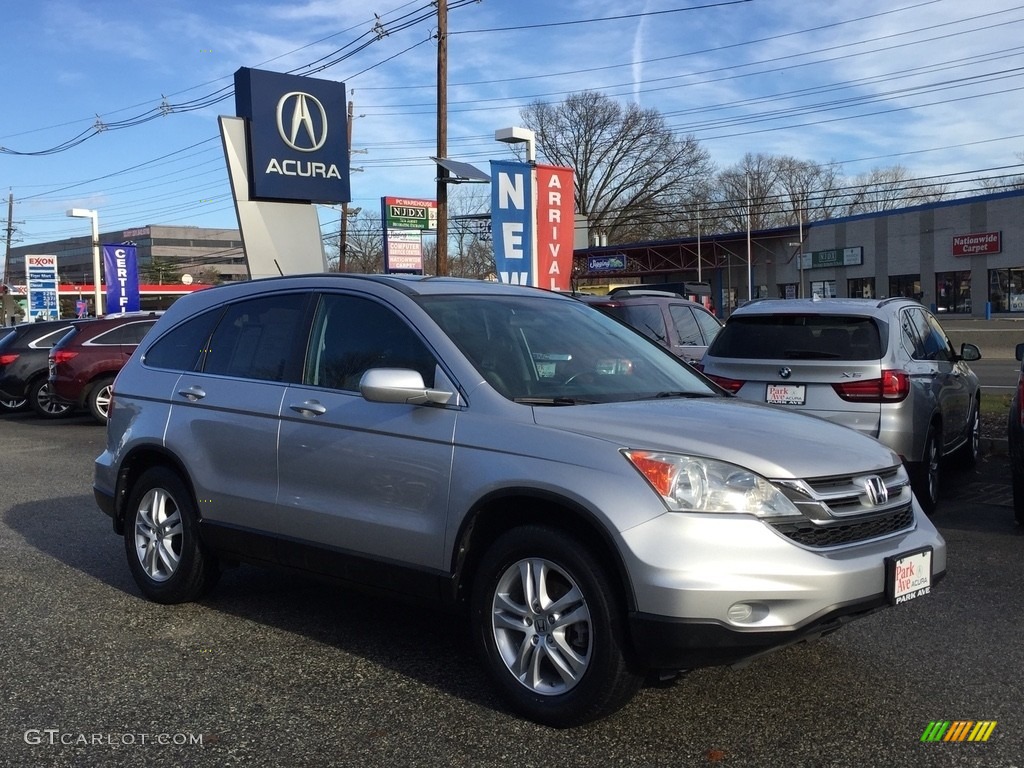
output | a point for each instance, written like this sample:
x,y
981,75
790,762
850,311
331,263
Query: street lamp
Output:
x,y
519,136
85,213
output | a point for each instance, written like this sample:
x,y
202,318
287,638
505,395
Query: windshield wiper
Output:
x,y
675,393
552,401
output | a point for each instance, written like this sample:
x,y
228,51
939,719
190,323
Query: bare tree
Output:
x,y
632,172
470,253
365,248
884,189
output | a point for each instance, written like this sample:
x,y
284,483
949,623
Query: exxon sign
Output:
x,y
298,136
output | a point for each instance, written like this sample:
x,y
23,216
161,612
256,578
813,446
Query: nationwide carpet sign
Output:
x,y
121,275
298,136
978,244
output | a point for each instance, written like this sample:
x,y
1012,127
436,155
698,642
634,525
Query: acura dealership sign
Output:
x,y
298,136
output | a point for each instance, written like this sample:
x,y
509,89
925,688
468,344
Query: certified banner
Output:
x,y
512,221
121,274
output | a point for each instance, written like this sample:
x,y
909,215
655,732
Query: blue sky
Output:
x,y
933,85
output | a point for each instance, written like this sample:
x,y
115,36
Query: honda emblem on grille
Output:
x,y
785,372
878,494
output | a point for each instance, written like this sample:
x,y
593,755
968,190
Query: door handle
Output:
x,y
193,393
309,408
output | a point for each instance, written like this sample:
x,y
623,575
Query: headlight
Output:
x,y
696,484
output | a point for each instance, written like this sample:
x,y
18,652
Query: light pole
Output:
x,y
519,136
85,213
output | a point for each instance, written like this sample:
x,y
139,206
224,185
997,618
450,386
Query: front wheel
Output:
x,y
161,540
550,628
928,473
967,455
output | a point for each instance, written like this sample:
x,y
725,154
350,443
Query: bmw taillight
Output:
x,y
729,385
891,387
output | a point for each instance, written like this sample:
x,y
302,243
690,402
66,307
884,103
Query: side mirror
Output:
x,y
400,385
970,352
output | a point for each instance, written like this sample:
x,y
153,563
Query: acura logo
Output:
x,y
878,494
302,132
785,372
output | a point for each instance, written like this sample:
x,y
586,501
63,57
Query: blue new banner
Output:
x,y
512,221
121,274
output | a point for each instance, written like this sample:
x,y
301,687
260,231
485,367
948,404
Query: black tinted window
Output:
x,y
646,318
799,337
352,335
182,347
130,333
687,330
258,338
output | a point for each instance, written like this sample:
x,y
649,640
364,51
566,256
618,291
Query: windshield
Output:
x,y
550,351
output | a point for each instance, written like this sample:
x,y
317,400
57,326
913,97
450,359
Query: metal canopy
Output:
x,y
462,173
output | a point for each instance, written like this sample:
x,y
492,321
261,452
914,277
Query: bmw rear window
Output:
x,y
799,337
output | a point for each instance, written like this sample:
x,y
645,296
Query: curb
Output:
x,y
993,446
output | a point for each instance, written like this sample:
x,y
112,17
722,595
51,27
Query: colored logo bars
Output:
x,y
958,730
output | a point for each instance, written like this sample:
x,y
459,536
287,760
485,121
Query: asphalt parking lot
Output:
x,y
274,670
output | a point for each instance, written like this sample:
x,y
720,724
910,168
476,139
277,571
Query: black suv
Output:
x,y
24,371
683,326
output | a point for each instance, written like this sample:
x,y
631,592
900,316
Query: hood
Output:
x,y
774,442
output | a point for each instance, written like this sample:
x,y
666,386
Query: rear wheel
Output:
x,y
928,473
44,402
161,540
99,399
549,626
12,405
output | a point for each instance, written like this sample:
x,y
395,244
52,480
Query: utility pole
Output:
x,y
10,234
442,136
343,240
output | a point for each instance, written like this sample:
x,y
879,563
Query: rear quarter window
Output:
x,y
181,348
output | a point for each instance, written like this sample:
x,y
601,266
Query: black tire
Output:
x,y
596,679
928,473
43,401
161,539
967,455
99,399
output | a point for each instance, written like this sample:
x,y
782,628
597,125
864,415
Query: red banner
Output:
x,y
555,227
977,243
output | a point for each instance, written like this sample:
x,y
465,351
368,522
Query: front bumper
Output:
x,y
717,589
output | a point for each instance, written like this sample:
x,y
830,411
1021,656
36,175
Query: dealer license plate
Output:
x,y
908,576
786,394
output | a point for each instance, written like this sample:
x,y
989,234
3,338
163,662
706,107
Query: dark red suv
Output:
x,y
84,363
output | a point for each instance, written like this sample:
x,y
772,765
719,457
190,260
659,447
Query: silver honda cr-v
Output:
x,y
597,509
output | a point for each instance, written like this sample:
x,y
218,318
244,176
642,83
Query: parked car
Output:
x,y
83,364
596,507
23,367
1015,434
682,326
882,367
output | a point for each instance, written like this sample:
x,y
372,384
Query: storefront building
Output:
x,y
963,256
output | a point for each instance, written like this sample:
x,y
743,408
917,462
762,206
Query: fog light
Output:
x,y
740,612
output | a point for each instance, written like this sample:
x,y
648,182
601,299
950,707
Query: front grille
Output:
x,y
848,530
840,510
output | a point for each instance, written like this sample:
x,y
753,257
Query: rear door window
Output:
x,y
257,339
646,318
182,347
687,330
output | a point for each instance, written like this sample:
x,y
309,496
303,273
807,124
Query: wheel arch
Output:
x,y
504,511
137,462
